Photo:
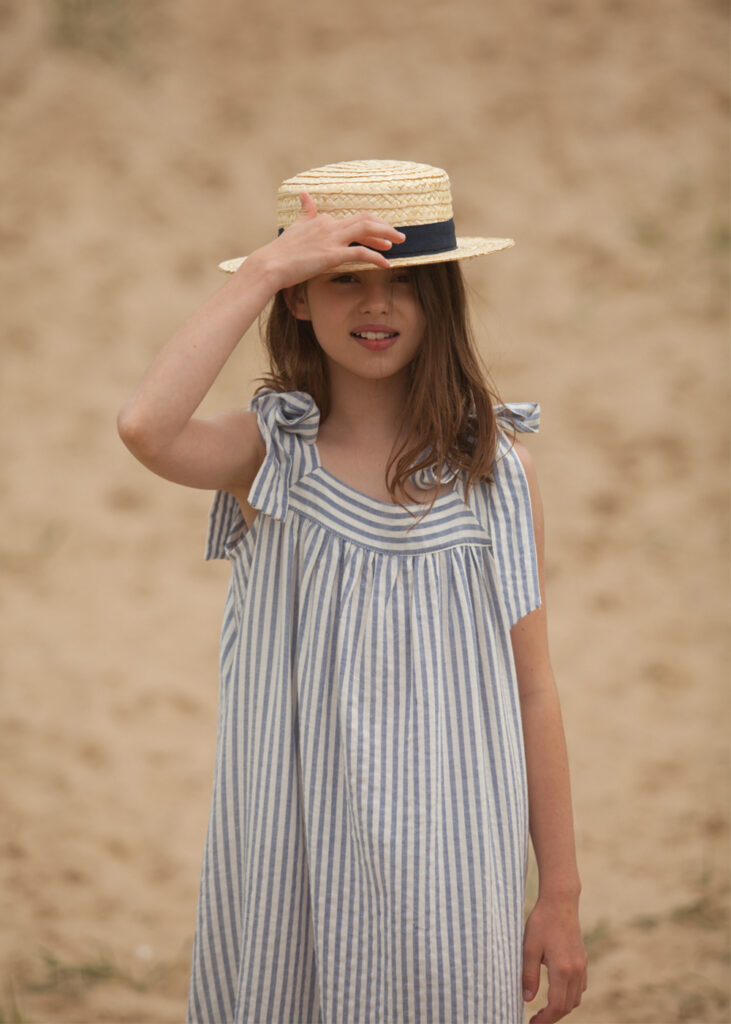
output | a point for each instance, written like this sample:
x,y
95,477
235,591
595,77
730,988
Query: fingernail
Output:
x,y
527,995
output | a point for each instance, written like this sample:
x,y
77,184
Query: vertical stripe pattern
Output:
x,y
366,847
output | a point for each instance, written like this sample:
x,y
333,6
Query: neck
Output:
x,y
366,412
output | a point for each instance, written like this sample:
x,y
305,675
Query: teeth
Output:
x,y
373,335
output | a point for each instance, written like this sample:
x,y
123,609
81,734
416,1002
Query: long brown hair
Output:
x,y
449,408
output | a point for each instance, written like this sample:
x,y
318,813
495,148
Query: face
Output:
x,y
346,307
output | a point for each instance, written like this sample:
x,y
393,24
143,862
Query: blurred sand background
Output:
x,y
142,142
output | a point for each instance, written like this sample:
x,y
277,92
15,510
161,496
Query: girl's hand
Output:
x,y
553,937
317,242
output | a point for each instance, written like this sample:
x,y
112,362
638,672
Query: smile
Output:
x,y
374,335
375,339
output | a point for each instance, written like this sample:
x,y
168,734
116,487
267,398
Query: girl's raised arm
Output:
x,y
223,452
156,421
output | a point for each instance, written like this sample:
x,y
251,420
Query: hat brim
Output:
x,y
467,248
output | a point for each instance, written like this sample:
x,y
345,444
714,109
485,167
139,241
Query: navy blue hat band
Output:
x,y
421,240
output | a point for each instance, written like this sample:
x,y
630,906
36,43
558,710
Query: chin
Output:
x,y
380,372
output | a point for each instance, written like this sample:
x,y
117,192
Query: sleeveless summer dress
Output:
x,y
367,843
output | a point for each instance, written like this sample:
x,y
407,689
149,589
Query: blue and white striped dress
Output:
x,y
366,850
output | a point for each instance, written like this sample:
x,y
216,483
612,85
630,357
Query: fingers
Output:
x,y
553,937
554,1010
364,221
316,242
359,254
531,971
366,228
369,230
565,989
309,209
376,242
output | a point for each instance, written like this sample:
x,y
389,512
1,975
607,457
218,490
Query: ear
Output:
x,y
296,298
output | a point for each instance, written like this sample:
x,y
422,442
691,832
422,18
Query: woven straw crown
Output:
x,y
406,195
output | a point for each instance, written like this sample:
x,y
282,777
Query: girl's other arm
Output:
x,y
552,932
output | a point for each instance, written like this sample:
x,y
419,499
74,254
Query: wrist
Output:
x,y
559,890
261,272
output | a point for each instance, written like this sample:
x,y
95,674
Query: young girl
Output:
x,y
389,727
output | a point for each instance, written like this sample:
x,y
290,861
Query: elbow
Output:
x,y
134,432
127,425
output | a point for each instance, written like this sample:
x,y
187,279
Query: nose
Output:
x,y
376,293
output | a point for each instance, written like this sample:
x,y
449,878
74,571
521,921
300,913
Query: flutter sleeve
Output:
x,y
510,518
288,423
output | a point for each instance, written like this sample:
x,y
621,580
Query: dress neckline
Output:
x,y
378,502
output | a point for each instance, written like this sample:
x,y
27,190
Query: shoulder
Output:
x,y
523,455
516,418
288,411
526,460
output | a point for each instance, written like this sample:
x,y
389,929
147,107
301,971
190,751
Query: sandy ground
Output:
x,y
142,143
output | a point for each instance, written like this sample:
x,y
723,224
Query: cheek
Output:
x,y
419,322
416,311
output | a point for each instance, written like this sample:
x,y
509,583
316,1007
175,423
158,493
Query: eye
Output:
x,y
401,277
344,279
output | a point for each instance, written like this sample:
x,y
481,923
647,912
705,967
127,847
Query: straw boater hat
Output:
x,y
415,198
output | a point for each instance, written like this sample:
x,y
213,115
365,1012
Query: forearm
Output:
x,y
184,370
549,793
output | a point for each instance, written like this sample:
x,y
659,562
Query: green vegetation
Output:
x,y
9,1010
70,976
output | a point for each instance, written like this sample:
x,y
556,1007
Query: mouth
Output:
x,y
375,339
375,336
